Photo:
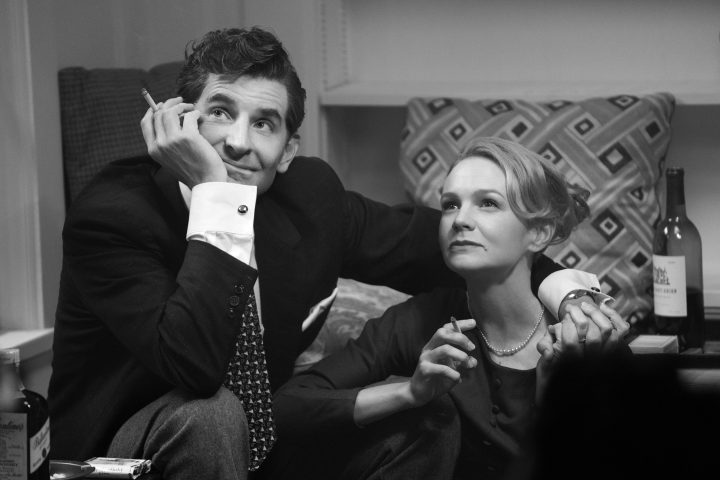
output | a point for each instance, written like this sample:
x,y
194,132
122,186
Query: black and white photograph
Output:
x,y
359,239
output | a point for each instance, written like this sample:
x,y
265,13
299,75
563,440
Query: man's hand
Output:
x,y
179,146
585,328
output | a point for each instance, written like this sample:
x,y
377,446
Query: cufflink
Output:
x,y
243,209
575,294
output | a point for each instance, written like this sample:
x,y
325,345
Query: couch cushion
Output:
x,y
100,113
355,304
615,147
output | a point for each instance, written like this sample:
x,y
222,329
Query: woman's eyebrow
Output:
x,y
483,191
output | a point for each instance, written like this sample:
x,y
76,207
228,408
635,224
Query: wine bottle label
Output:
x,y
39,446
13,446
669,293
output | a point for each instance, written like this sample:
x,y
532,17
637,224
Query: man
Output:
x,y
170,260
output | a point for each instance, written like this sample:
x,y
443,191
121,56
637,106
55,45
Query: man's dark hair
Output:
x,y
235,52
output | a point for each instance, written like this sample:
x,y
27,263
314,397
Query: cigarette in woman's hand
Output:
x,y
149,100
455,324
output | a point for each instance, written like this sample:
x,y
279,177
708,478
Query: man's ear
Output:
x,y
291,148
540,237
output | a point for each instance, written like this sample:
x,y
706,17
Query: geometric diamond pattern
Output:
x,y
458,131
583,125
613,146
499,107
623,101
424,160
615,157
652,129
607,225
437,104
608,285
639,259
551,153
558,104
519,129
570,260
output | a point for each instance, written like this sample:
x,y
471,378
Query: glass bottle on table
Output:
x,y
677,270
24,425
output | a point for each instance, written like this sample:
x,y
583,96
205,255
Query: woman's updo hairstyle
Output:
x,y
537,193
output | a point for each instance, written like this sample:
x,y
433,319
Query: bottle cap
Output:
x,y
9,356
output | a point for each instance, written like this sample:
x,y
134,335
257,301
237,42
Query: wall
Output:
x,y
134,33
695,146
551,41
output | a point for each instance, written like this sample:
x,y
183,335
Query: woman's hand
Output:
x,y
179,146
442,362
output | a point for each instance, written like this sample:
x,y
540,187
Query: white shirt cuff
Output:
x,y
557,285
222,214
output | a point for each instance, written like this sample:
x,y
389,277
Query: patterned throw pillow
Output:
x,y
615,147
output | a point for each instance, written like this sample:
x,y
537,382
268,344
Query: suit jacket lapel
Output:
x,y
280,269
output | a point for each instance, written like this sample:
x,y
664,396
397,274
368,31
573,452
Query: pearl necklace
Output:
x,y
506,352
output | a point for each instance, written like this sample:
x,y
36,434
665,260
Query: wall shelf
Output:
x,y
30,342
385,94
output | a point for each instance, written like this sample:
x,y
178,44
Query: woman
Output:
x,y
501,206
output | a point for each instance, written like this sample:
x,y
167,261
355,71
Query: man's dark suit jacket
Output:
x,y
142,311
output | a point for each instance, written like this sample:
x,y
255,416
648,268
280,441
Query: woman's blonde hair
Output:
x,y
537,193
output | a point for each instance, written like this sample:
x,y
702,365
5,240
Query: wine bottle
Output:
x,y
24,425
677,270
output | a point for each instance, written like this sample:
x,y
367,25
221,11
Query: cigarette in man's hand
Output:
x,y
149,100
455,324
153,105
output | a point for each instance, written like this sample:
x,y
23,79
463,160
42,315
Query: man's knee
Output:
x,y
190,434
179,422
222,412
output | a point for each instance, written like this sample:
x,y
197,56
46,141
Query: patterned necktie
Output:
x,y
247,377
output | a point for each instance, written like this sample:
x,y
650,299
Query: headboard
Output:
x,y
100,113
